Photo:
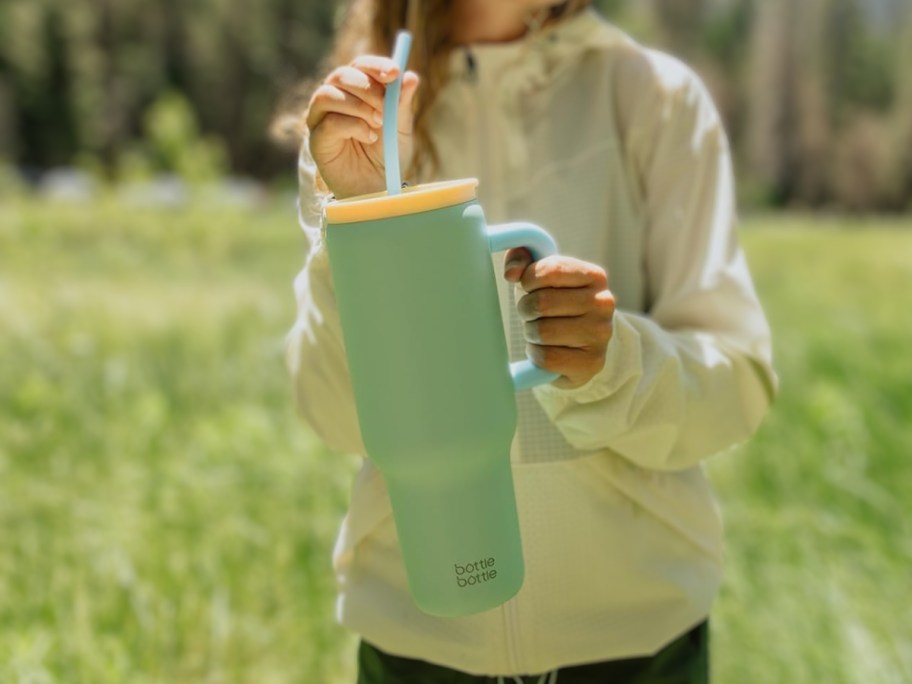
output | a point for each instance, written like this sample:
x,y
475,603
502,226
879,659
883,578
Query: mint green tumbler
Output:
x,y
416,292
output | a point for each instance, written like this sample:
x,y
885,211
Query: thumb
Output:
x,y
516,261
410,82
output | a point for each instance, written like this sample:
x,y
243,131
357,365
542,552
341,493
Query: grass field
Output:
x,y
164,517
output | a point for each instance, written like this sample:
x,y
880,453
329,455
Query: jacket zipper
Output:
x,y
511,629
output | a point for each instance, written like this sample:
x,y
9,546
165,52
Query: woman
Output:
x,y
619,152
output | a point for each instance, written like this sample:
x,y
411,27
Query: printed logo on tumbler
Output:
x,y
476,572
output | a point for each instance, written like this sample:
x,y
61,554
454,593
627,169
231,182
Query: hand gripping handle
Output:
x,y
540,244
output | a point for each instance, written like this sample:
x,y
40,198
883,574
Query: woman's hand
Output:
x,y
568,313
345,120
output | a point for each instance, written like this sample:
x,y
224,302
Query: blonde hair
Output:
x,y
370,27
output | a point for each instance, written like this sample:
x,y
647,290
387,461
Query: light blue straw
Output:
x,y
390,115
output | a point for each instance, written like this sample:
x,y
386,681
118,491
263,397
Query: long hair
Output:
x,y
370,27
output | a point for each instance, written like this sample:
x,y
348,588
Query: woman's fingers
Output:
x,y
339,127
567,327
563,271
554,301
359,84
383,69
577,332
516,261
330,99
353,92
577,366
348,108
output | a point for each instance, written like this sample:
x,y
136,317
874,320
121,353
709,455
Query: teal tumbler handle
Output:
x,y
540,244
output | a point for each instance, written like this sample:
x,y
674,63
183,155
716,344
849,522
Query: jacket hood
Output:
x,y
536,60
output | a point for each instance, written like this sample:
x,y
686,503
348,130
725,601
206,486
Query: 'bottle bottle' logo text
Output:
x,y
476,572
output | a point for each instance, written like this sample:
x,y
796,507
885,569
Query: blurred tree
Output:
x,y
903,114
816,95
862,82
680,23
721,54
822,96
42,91
80,74
771,98
174,143
807,182
859,69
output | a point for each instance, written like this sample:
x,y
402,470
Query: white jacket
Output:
x,y
619,152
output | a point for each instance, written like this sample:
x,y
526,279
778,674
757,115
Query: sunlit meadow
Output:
x,y
165,518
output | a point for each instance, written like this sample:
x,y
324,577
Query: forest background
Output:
x,y
816,95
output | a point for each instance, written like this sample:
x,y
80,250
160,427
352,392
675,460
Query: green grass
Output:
x,y
817,504
165,518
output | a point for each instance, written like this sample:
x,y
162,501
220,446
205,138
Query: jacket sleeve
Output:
x,y
315,353
693,375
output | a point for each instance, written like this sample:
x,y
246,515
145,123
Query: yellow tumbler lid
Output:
x,y
412,200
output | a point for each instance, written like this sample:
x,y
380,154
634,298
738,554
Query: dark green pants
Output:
x,y
683,661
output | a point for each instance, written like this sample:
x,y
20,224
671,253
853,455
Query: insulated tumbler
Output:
x,y
416,292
